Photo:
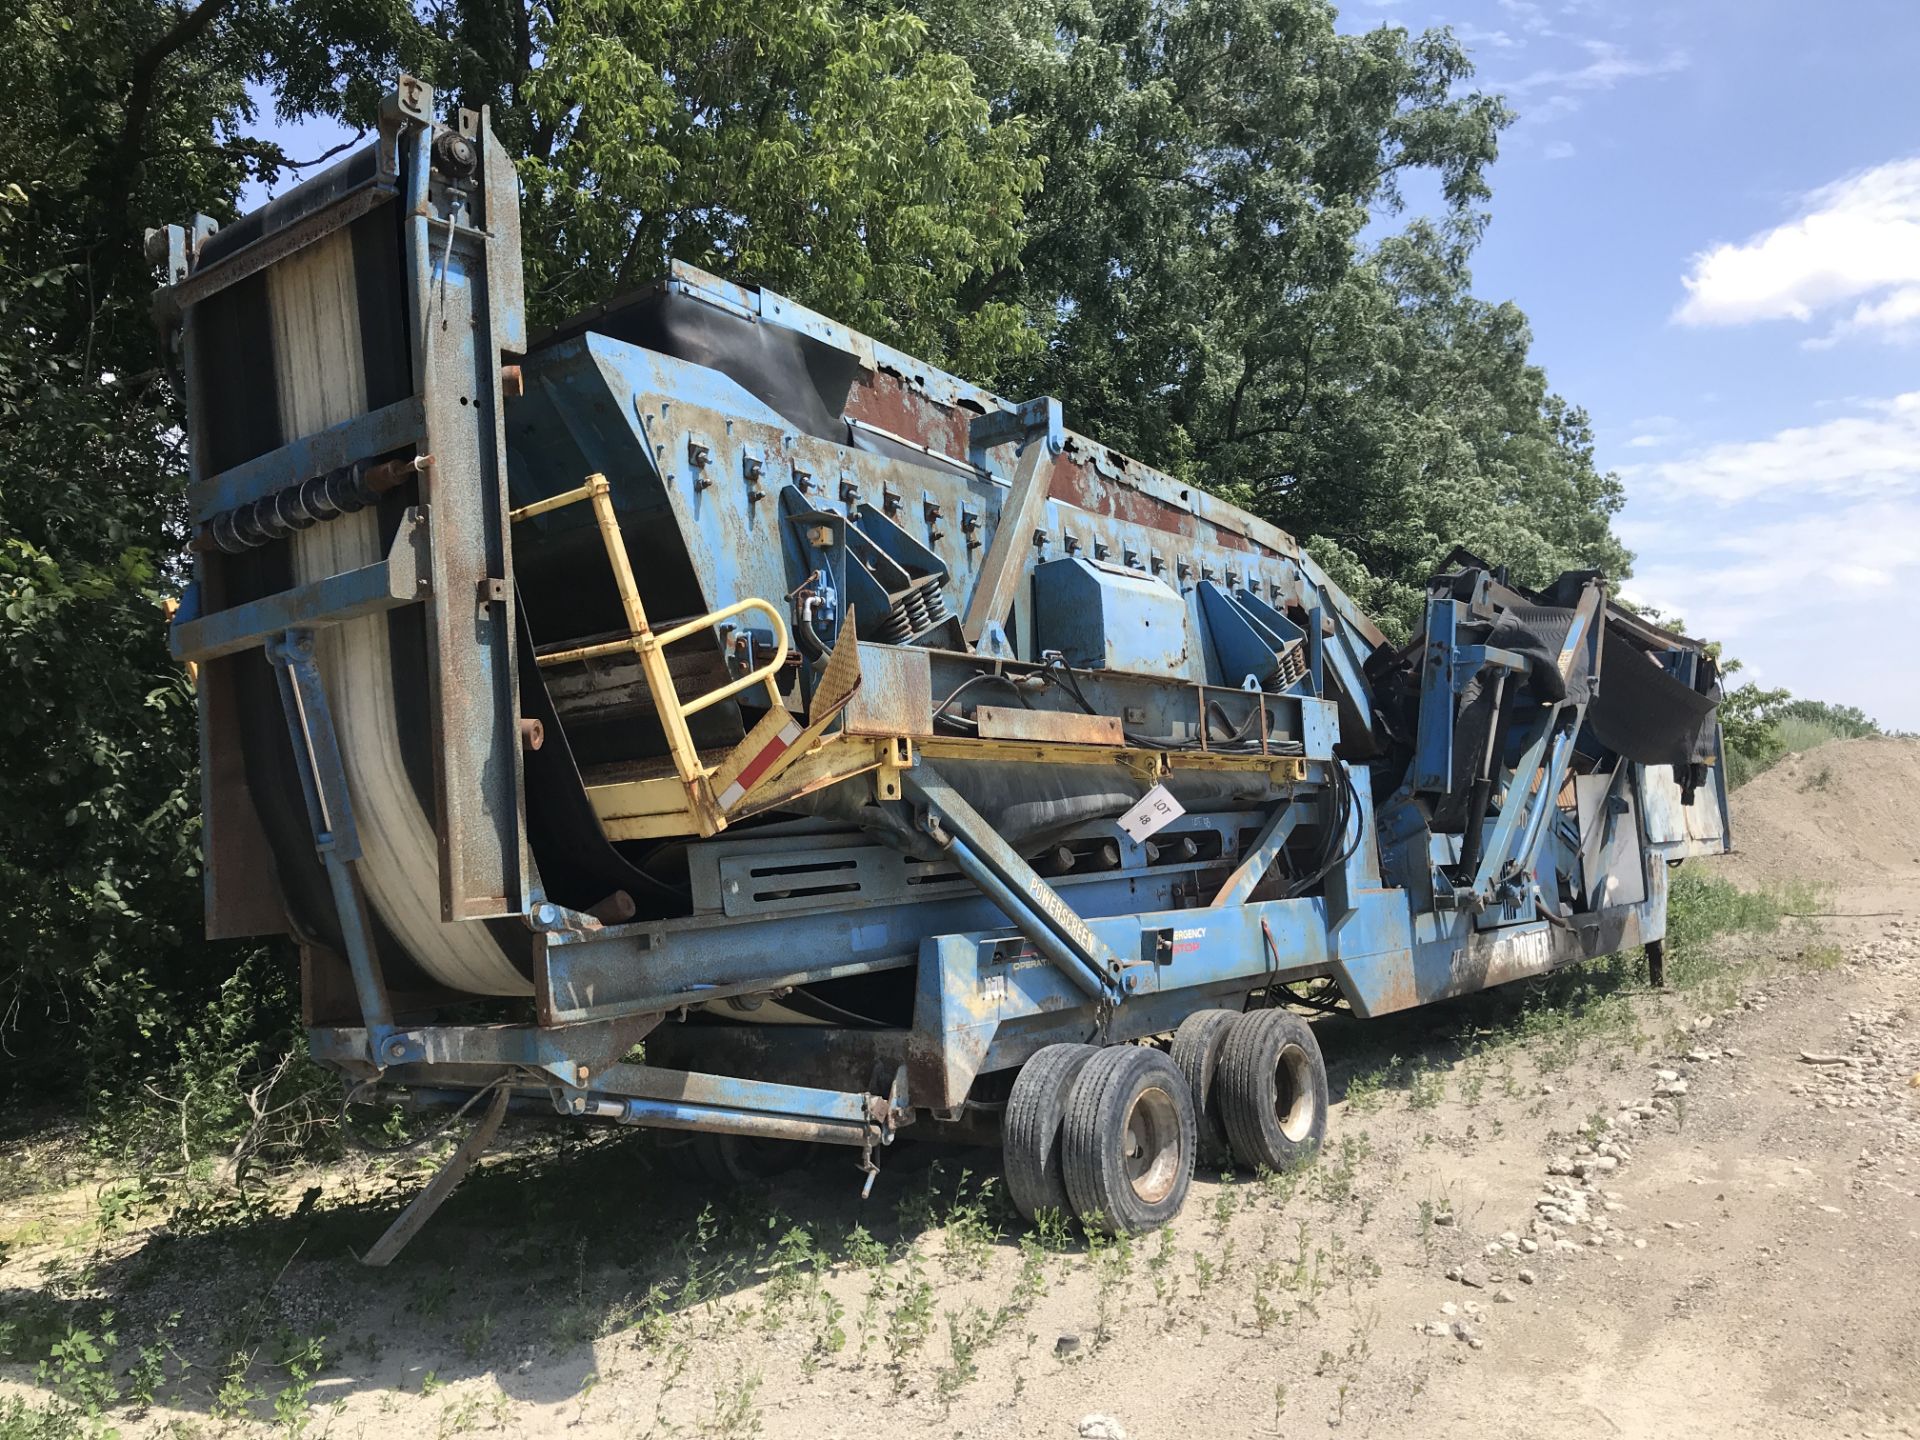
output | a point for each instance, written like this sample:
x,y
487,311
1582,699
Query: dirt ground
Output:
x,y
1577,1206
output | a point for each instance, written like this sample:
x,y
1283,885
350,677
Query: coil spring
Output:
x,y
917,609
299,507
898,624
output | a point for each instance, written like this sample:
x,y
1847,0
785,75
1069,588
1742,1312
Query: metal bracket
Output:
x,y
400,579
1038,425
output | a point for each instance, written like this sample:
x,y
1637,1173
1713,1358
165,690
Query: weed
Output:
x,y
459,1416
734,1415
910,1320
1050,1223
1335,1173
829,1336
234,1399
475,1334
970,1232
79,1370
967,1331
1365,1091
149,1370
1225,1202
56,1420
1426,1087
1113,1267
302,1360
1031,1282
1473,1080
862,1250
795,1265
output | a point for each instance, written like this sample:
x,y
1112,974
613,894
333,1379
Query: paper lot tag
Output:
x,y
1156,809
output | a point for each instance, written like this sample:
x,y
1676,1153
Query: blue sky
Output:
x,y
1711,212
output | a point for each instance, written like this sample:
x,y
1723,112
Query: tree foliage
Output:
x,y
110,109
826,150
1214,265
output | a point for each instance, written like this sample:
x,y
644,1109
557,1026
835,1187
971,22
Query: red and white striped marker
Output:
x,y
759,764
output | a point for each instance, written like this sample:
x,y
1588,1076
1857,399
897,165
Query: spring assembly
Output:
x,y
897,627
298,507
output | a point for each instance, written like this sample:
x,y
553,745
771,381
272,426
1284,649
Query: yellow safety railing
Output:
x,y
648,644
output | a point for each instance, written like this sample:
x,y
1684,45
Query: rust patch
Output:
x,y
1066,727
886,400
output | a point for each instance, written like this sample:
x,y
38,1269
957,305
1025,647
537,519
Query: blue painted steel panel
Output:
x,y
1106,617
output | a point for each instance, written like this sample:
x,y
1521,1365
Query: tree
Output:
x,y
826,150
1847,722
1200,262
111,109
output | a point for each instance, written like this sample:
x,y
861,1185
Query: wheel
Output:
x,y
1127,1147
744,1159
1272,1086
1196,1051
1030,1132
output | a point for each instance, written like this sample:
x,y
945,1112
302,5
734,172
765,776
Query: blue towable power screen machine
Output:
x,y
705,717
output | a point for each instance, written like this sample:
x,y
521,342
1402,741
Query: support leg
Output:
x,y
1657,964
451,1174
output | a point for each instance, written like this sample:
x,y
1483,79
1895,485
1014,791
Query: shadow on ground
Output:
x,y
573,1236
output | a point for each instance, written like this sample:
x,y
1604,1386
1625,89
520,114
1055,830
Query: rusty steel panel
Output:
x,y
890,402
895,695
1065,727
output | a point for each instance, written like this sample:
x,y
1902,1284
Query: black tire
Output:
x,y
1272,1085
1030,1132
1196,1051
746,1159
1128,1144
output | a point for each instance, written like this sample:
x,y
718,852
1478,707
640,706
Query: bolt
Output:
x,y
582,1073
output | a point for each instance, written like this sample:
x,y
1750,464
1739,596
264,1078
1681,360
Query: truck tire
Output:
x,y
745,1159
1127,1146
1196,1051
1030,1133
1272,1083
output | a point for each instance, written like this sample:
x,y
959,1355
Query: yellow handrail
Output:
x,y
644,642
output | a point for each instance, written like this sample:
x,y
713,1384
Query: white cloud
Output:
x,y
1737,536
1856,241
1652,432
1732,583
1607,65
1529,16
1560,150
1873,452
1470,34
